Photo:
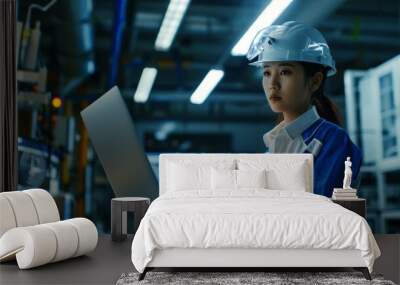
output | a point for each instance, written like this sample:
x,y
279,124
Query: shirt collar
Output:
x,y
296,127
301,123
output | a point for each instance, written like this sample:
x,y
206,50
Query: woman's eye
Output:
x,y
283,72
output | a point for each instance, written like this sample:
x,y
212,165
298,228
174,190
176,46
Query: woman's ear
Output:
x,y
315,81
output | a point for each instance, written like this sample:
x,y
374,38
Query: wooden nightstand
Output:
x,y
357,205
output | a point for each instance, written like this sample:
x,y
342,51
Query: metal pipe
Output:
x,y
119,23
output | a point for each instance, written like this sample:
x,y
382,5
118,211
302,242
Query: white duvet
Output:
x,y
250,219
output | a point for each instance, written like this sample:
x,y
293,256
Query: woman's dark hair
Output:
x,y
325,107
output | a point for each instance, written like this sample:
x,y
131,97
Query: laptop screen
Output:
x,y
112,133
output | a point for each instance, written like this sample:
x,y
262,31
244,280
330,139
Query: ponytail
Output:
x,y
325,106
327,109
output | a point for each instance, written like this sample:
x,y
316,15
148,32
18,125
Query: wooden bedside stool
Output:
x,y
119,209
357,205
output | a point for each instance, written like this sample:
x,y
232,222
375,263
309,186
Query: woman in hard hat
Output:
x,y
296,60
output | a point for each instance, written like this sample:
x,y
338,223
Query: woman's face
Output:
x,y
285,88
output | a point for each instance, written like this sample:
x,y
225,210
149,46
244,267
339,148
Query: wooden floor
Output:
x,y
111,259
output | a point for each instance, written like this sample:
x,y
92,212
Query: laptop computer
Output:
x,y
114,138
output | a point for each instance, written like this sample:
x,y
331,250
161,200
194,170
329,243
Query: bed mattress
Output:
x,y
252,219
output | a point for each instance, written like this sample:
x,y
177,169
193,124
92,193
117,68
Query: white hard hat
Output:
x,y
291,41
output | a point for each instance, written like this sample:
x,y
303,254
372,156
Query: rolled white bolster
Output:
x,y
23,208
7,218
67,240
45,205
87,235
40,244
33,246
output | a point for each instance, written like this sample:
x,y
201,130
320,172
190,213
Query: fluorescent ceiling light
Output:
x,y
266,18
206,86
145,84
170,24
165,130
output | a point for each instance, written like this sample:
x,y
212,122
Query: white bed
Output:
x,y
248,227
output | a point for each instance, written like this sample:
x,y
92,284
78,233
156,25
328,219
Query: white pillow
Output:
x,y
237,179
295,181
186,175
251,178
281,174
223,179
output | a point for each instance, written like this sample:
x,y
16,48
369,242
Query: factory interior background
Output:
x,y
76,50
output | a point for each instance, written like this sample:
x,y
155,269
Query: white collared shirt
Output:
x,y
287,137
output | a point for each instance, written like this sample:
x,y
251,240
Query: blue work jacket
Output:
x,y
328,142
